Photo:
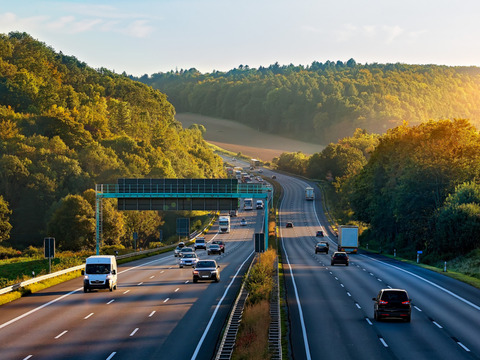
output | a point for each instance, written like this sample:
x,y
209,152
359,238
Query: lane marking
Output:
x,y
186,282
73,292
61,334
428,282
86,317
379,279
151,314
438,325
111,355
299,305
200,343
349,294
126,292
416,307
463,346
177,289
368,321
133,332
336,278
357,305
111,301
383,342
161,272
166,300
140,283
151,277
28,357
342,285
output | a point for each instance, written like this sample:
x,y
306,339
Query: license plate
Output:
x,y
205,276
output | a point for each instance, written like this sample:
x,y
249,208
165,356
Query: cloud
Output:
x,y
139,29
392,32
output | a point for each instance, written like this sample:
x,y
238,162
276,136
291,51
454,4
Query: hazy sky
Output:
x,y
149,36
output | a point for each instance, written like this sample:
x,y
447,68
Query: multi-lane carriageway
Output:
x,y
158,313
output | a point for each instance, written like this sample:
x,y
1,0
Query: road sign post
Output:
x,y
49,250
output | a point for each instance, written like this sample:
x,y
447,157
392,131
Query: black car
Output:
x,y
392,303
339,257
206,270
214,249
289,224
322,247
220,243
320,233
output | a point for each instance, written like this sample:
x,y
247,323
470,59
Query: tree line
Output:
x,y
415,187
65,127
324,102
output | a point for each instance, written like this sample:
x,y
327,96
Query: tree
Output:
x,y
73,224
5,226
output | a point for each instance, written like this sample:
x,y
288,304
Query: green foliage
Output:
x,y
65,127
5,225
324,102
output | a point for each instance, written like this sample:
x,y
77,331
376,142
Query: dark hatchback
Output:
x,y
322,247
392,303
220,243
339,257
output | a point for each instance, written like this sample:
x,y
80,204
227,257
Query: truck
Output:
x,y
309,193
248,204
224,224
348,238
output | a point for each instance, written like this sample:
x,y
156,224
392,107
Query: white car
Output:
x,y
243,222
188,259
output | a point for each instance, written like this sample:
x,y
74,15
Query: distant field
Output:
x,y
236,137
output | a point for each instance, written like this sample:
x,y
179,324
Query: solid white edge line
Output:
x,y
202,339
302,322
428,282
111,355
68,294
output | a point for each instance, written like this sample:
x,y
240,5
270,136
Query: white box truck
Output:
x,y
348,238
100,273
309,193
224,224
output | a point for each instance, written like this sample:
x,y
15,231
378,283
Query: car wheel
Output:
x,y
85,289
331,264
217,279
115,287
111,288
195,280
181,266
347,264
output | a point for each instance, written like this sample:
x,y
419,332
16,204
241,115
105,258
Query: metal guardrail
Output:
x,y
227,344
34,280
274,330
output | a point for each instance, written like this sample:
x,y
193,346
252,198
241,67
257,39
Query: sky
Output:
x,y
151,36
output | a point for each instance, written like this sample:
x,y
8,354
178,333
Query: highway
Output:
x,y
157,312
331,309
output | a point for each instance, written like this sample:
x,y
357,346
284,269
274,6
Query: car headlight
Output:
x,y
86,277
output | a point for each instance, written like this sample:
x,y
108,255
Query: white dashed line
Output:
x,y
389,286
379,279
336,278
28,357
111,301
126,292
349,294
437,325
463,346
177,289
371,274
166,300
383,342
368,321
86,317
111,355
161,272
358,306
186,282
140,283
342,285
61,334
417,308
133,332
151,277
151,314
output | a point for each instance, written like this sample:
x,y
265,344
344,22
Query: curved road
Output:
x,y
331,307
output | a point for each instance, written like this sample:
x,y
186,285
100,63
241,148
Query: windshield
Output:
x,y
206,264
394,296
97,269
189,255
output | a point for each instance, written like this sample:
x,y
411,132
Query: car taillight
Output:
x,y
383,302
195,272
406,302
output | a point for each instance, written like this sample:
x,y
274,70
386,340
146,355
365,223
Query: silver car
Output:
x,y
188,259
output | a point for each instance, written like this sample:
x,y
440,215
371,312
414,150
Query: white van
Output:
x,y
100,273
259,204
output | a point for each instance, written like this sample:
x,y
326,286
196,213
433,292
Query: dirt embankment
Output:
x,y
236,137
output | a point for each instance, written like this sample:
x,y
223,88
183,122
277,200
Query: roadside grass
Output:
x,y
252,337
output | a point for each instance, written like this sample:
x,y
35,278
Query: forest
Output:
x,y
413,188
65,127
324,102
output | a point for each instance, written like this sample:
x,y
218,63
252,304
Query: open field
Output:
x,y
236,137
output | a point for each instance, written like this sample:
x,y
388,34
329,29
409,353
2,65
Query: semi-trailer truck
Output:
x,y
224,224
348,238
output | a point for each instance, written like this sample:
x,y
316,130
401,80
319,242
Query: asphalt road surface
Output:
x,y
157,312
331,307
